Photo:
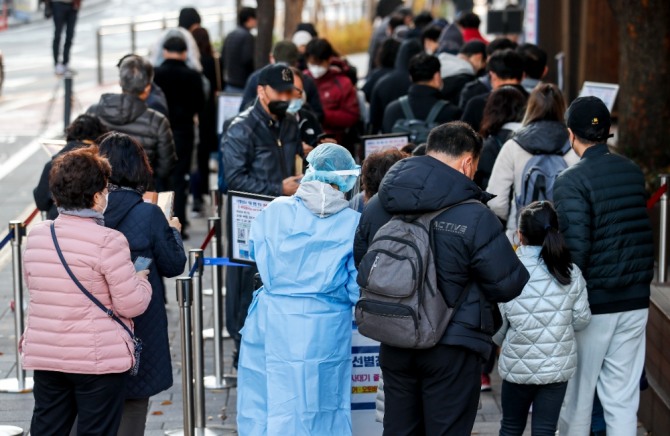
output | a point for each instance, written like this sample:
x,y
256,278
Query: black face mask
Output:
x,y
278,108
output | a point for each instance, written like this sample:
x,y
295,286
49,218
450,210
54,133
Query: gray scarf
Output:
x,y
84,213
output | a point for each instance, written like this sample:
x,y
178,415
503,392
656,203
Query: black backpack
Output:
x,y
417,130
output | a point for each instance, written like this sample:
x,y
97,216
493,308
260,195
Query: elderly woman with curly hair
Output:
x,y
79,353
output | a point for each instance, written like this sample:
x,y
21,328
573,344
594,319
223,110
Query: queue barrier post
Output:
x,y
662,246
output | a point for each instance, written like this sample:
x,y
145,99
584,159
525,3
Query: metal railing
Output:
x,y
152,23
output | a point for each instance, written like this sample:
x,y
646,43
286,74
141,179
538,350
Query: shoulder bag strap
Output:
x,y
109,312
406,108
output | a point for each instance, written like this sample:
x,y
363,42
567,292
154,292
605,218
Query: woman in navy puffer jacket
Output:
x,y
149,235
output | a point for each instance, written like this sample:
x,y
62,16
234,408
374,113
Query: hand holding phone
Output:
x,y
142,263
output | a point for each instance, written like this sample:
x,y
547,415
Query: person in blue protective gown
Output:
x,y
294,375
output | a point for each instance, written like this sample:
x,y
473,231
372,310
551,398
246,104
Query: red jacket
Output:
x,y
339,101
472,35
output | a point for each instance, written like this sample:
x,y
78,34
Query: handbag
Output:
x,y
110,313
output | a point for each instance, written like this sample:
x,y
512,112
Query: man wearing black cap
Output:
x,y
258,156
602,214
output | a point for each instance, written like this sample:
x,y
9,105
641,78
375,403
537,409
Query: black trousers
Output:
x,y
432,392
60,397
239,294
64,15
183,141
516,400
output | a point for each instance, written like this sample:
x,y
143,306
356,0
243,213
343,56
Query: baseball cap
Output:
x,y
278,77
589,119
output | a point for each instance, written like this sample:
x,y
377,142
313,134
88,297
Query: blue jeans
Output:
x,y
516,400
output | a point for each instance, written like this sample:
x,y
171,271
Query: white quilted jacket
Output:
x,y
538,339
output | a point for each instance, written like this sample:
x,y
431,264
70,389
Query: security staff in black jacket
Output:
x,y
258,156
436,391
602,214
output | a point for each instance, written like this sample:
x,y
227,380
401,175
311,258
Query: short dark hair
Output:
x,y
76,177
506,64
375,167
423,19
472,48
454,139
320,49
500,44
469,20
534,60
188,17
387,53
245,14
396,20
504,105
286,52
422,67
85,128
175,44
431,32
130,164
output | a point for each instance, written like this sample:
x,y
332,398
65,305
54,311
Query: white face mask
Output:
x,y
317,71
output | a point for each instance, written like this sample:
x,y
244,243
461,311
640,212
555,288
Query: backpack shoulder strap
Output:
x,y
426,219
435,111
406,108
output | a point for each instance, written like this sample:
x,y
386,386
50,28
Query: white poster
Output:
x,y
530,24
243,208
374,144
365,375
228,107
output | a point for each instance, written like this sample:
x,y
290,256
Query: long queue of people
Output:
x,y
498,165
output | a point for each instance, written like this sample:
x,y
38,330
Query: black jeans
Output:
x,y
516,400
65,15
433,392
97,400
134,419
183,141
239,294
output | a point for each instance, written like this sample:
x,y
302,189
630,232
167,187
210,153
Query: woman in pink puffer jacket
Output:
x,y
79,354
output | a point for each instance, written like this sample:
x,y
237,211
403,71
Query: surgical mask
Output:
x,y
295,106
278,108
317,71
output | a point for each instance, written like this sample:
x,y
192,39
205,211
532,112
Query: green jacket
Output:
x,y
602,214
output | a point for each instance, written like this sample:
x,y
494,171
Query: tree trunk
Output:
x,y
265,14
644,96
292,16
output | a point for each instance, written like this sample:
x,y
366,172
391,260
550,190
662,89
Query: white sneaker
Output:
x,y
60,69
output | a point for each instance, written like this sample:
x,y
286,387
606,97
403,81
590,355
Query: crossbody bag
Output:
x,y
109,312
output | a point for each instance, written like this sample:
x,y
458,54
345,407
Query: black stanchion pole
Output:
x,y
67,110
195,256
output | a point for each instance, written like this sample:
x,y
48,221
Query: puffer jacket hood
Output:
x,y
321,199
120,109
543,137
538,333
424,184
452,65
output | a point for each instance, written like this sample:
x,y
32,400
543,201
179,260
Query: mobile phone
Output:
x,y
142,263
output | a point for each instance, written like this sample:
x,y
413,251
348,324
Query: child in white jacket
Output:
x,y
539,352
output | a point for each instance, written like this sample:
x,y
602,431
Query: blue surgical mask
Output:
x,y
294,106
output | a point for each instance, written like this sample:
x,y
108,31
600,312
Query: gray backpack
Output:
x,y
416,129
400,304
539,176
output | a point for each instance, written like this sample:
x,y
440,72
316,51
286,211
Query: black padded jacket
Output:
x,y
602,213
